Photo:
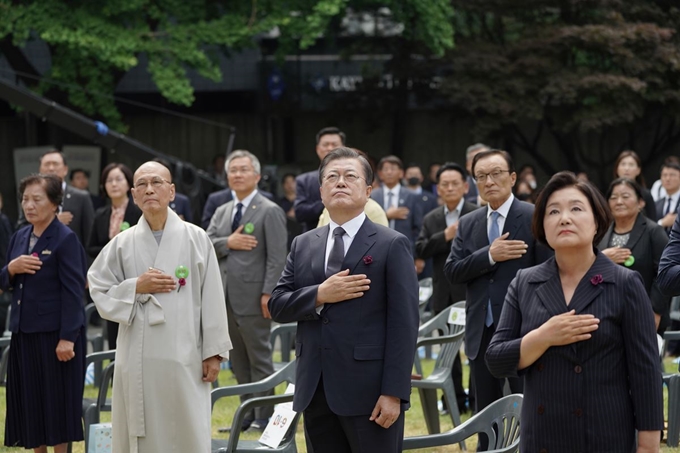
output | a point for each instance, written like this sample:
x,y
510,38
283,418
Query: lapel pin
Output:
x,y
629,261
68,195
254,206
596,280
248,228
46,252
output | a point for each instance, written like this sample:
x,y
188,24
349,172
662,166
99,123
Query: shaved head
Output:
x,y
160,169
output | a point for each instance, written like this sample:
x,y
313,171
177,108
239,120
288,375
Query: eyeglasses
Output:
x,y
155,182
454,184
494,175
333,178
242,170
624,197
112,180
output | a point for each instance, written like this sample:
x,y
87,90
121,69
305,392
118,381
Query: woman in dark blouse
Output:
x,y
119,214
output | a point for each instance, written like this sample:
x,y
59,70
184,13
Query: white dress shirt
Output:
x,y
453,216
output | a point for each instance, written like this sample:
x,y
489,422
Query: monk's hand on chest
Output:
x,y
342,286
504,250
155,281
240,241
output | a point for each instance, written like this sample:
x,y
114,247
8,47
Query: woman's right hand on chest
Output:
x,y
24,264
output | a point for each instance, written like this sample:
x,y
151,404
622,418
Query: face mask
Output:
x,y
523,196
415,181
532,184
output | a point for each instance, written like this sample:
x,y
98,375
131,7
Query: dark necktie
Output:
x,y
668,206
494,233
337,255
237,218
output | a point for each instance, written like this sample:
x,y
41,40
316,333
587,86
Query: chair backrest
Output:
x,y
286,332
438,323
500,421
450,345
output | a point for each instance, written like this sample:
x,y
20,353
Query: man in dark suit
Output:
x,y
308,204
76,211
428,201
667,207
403,209
356,304
80,179
434,242
249,234
490,246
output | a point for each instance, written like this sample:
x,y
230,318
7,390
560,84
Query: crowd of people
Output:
x,y
563,301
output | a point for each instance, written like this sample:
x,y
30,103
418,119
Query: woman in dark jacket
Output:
x,y
119,214
46,267
580,329
636,242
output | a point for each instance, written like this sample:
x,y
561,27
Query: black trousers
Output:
x,y
327,432
488,388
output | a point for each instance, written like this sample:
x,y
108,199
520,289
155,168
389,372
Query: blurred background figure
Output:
x,y
657,190
667,207
119,214
287,203
216,168
636,242
6,231
46,267
582,176
80,179
430,183
524,191
472,195
629,165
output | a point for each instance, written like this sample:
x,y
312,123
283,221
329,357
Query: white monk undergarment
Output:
x,y
160,403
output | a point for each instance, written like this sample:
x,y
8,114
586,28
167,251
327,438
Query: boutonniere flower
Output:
x,y
596,280
124,226
35,254
181,273
368,259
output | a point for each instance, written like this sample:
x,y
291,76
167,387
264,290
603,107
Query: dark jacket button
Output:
x,y
540,367
578,412
540,409
325,320
543,450
578,369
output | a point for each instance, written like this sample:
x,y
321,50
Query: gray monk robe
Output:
x,y
160,403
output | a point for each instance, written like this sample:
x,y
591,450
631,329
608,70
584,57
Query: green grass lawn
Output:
x,y
225,408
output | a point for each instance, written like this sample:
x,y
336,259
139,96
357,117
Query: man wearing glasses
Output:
x,y
351,286
161,282
490,246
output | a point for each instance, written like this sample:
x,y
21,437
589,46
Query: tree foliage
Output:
x,y
93,44
572,70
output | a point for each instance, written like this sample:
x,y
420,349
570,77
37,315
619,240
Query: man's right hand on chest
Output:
x,y
342,286
155,281
240,241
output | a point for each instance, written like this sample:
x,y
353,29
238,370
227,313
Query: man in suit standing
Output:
x,y
220,197
352,288
490,246
667,207
76,211
308,204
428,201
434,242
472,196
249,234
403,209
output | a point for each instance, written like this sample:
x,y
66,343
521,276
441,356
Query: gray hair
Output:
x,y
242,153
473,148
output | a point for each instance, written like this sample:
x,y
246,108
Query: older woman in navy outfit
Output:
x,y
46,268
581,330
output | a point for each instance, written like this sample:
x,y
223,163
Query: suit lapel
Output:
x,y
550,292
361,244
587,291
228,211
44,239
440,219
513,222
66,203
481,233
637,231
380,197
607,237
253,208
318,251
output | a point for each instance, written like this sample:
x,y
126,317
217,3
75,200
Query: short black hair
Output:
x,y
79,170
127,173
390,160
563,180
671,165
346,153
448,166
54,151
413,165
491,152
51,184
330,131
288,175
624,182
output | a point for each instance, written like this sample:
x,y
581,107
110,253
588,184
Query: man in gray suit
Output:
x,y
75,211
249,234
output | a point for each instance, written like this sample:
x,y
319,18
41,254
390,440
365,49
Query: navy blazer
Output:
x,y
182,206
591,395
468,263
217,199
361,348
308,205
646,242
409,227
669,266
433,244
52,298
